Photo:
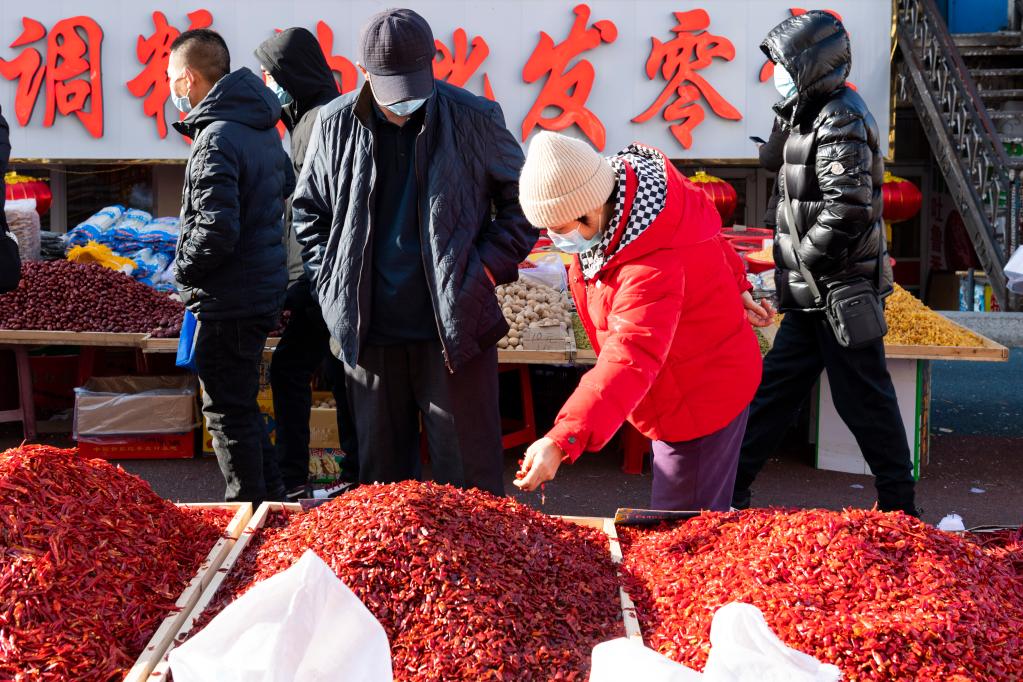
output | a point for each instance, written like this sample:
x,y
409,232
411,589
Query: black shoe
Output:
x,y
297,493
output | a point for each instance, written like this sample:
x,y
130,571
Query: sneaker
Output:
x,y
298,492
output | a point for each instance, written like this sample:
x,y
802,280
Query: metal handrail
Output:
x,y
966,142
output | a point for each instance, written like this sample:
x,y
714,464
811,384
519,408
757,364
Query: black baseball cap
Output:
x,y
396,47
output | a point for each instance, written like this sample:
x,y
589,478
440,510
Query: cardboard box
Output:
x,y
323,424
164,446
129,405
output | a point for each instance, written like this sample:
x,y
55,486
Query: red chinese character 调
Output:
x,y
678,60
154,53
457,66
71,72
344,71
569,89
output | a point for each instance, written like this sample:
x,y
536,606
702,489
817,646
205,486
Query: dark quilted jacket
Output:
x,y
230,260
467,164
833,167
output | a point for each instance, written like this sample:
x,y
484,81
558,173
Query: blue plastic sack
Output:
x,y
186,342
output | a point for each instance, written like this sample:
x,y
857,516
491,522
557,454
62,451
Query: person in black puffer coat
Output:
x,y
832,170
230,259
10,259
297,72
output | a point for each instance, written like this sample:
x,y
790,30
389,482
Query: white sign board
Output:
x,y
66,92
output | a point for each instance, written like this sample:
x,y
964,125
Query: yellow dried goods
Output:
x,y
911,323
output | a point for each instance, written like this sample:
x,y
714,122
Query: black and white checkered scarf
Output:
x,y
651,194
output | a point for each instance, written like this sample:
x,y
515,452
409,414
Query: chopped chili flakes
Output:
x,y
91,561
882,596
468,586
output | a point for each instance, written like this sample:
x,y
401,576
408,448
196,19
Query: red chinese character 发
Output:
x,y
567,90
457,66
767,70
344,71
72,72
154,54
691,50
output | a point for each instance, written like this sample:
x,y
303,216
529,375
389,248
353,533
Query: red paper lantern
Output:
x,y
24,187
721,192
902,199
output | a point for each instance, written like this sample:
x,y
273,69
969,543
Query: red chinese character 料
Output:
x,y
679,60
567,89
456,66
154,54
71,72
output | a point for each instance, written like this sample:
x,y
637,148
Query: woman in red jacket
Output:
x,y
664,300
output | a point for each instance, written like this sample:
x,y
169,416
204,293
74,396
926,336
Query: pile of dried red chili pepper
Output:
x,y
467,585
91,560
882,596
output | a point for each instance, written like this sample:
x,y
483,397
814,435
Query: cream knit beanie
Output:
x,y
563,178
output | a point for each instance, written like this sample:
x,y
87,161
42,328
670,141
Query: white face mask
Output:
x,y
181,103
406,108
783,82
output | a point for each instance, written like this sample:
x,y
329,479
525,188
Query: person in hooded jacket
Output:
x,y
10,258
664,300
230,259
297,73
831,179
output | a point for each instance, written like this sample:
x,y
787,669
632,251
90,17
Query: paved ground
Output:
x,y
976,466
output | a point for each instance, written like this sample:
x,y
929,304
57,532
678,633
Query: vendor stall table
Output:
x,y
19,341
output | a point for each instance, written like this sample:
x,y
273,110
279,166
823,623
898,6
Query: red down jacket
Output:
x,y
677,355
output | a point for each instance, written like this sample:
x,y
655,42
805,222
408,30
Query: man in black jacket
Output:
x,y
230,260
831,175
298,74
10,259
407,210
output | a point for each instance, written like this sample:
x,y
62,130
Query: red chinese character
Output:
x,y
72,72
457,66
567,90
767,70
344,71
691,50
154,53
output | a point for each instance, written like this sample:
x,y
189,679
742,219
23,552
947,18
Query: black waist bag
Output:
x,y
853,308
855,314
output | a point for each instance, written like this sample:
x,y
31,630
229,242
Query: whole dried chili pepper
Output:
x,y
882,596
468,586
91,560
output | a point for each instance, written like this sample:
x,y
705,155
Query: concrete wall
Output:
x,y
1005,328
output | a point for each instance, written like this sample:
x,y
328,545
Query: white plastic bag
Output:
x,y
744,649
549,271
302,624
627,659
1014,271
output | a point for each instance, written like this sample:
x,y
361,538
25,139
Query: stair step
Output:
x,y
997,38
1001,95
991,51
1004,115
996,73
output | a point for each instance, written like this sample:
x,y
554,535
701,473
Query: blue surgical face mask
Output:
x,y
406,108
574,242
783,82
283,96
181,103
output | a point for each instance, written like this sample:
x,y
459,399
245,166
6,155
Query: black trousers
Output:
x,y
393,386
303,347
864,398
227,357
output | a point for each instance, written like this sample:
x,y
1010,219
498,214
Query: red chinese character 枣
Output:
x,y
344,71
767,70
154,53
71,72
456,66
569,89
678,60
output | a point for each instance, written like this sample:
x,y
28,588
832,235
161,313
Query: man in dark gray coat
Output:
x,y
831,175
407,209
230,259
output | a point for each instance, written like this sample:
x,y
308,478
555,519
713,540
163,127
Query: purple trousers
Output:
x,y
698,474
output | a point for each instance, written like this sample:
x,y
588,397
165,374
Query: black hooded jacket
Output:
x,y
832,166
10,261
294,59
230,261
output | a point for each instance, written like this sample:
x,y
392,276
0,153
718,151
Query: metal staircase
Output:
x,y
964,113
